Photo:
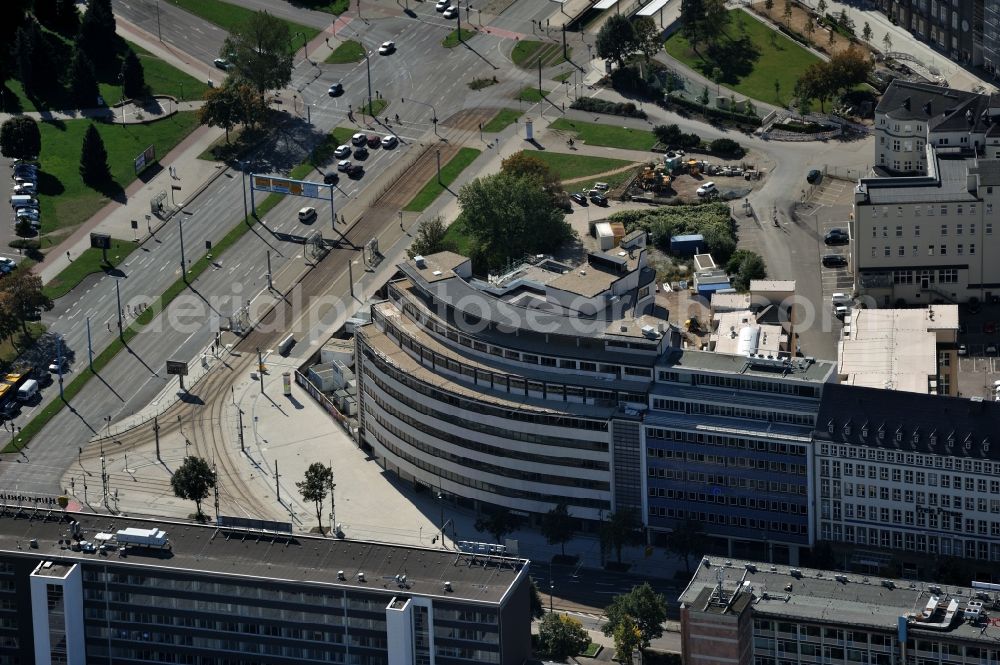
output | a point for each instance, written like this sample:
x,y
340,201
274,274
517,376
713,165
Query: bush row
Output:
x,y
675,101
627,109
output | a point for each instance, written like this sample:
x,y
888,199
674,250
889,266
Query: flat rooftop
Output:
x,y
739,333
949,184
801,369
286,557
894,349
817,595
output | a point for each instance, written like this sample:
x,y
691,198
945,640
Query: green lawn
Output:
x,y
528,52
749,65
349,51
592,650
569,167
378,105
165,79
614,136
11,347
88,263
457,239
502,120
562,77
229,16
531,94
452,40
328,6
65,201
449,172
613,180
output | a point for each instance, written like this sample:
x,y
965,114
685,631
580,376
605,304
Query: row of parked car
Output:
x,y
24,201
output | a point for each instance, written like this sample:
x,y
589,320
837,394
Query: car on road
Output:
x,y
344,165
355,171
442,5
579,197
814,176
342,151
707,189
451,12
386,48
6,265
991,349
361,152
963,350
307,214
836,237
598,199
57,364
834,261
331,178
359,139
335,89
389,141
221,63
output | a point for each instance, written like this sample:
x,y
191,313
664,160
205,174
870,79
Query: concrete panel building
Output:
x,y
219,596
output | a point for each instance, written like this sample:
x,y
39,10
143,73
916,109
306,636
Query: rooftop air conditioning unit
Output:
x,y
420,261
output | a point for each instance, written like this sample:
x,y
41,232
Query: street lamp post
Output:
x,y
368,70
434,118
121,78
243,173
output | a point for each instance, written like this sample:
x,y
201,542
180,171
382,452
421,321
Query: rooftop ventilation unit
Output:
x,y
420,262
341,576
447,586
361,577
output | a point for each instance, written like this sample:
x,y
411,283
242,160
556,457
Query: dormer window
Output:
x,y
829,427
899,435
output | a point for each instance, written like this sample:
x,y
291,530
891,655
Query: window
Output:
x,y
899,231
874,252
915,250
989,206
902,251
885,229
944,249
930,211
972,248
958,210
916,230
930,250
944,228
944,209
989,229
959,249
888,250
972,229
958,229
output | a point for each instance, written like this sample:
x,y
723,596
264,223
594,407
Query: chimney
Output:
x,y
927,109
906,103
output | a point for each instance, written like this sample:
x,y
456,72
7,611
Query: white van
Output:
x,y
841,299
27,390
23,201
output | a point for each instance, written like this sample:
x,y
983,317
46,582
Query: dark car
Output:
x,y
356,171
836,237
834,261
335,90
599,199
361,152
814,176
374,141
331,178
579,198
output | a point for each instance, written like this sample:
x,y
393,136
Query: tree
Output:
x,y
668,135
787,13
703,98
221,108
810,26
847,69
25,46
768,5
509,216
777,90
887,42
627,639
558,526
497,523
727,147
561,636
646,608
521,164
20,138
619,529
94,159
23,297
815,83
430,238
866,32
688,539
821,7
315,487
58,15
647,36
260,53
830,35
692,20
133,76
97,33
23,228
83,82
193,480
536,609
616,39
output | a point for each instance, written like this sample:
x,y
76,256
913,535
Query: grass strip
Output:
x,y
531,94
101,360
449,172
231,17
502,120
569,167
455,38
87,263
349,51
378,105
614,136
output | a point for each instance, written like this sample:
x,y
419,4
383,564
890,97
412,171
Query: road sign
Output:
x,y
100,241
177,367
312,190
147,157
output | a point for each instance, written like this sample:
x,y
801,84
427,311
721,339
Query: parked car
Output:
x,y
58,364
707,189
6,265
331,178
598,199
307,214
344,165
25,187
361,152
389,141
991,349
579,197
335,89
342,151
834,261
359,139
374,141
221,63
963,350
451,12
442,5
356,171
814,176
836,237
386,48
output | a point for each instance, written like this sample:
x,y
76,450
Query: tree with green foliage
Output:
x,y
787,12
222,108
848,69
647,36
688,538
22,229
692,22
558,526
94,159
866,32
23,297
133,77
619,529
260,52
521,164
646,608
535,607
768,5
97,37
777,90
821,7
703,98
430,238
815,84
497,523
668,135
82,80
810,26
561,636
315,486
193,480
627,639
58,15
617,39
510,216
24,49
20,138
727,147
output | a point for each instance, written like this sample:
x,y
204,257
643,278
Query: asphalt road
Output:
x,y
591,590
174,26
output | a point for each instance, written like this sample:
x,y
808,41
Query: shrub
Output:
x,y
626,109
727,147
674,101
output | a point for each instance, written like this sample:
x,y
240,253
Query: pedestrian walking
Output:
x,y
109,326
397,118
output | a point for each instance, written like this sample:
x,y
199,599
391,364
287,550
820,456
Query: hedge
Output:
x,y
673,100
627,109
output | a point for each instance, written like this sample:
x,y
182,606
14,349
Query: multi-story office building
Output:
x,y
551,385
736,613
909,472
217,596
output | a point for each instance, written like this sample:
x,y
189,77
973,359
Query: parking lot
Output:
x,y
979,333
